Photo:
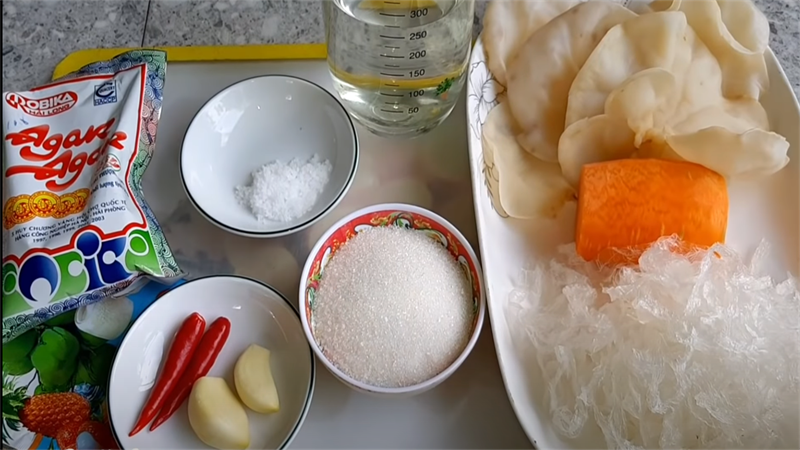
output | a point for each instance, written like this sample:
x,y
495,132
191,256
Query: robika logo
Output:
x,y
44,107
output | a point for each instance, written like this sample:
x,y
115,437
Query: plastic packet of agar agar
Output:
x,y
76,227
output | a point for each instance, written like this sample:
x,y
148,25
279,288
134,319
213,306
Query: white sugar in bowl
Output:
x,y
295,130
366,362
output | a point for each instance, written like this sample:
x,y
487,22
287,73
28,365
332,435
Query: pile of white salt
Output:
x,y
285,191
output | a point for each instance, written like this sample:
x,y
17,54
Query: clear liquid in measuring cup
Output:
x,y
399,65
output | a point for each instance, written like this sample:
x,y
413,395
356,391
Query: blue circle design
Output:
x,y
88,244
34,268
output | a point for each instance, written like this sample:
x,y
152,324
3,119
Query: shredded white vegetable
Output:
x,y
692,351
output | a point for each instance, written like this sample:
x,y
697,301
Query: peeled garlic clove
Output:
x,y
254,383
216,415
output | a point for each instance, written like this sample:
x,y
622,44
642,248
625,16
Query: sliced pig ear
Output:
x,y
752,153
529,187
737,116
540,75
737,34
509,23
597,139
658,40
645,101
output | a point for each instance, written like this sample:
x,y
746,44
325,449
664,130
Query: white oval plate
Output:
x,y
768,208
259,315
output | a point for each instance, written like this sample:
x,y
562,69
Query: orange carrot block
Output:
x,y
626,205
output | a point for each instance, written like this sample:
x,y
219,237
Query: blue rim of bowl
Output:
x,y
311,385
307,223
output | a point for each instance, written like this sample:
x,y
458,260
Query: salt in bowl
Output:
x,y
257,121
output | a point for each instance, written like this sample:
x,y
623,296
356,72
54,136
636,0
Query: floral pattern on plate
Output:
x,y
484,92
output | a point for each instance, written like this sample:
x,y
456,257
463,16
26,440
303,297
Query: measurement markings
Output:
x,y
391,47
392,56
391,15
390,84
392,111
392,95
392,26
391,3
391,37
398,75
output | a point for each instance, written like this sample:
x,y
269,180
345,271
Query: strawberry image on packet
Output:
x,y
76,227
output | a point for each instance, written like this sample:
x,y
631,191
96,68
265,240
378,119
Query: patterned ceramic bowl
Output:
x,y
407,216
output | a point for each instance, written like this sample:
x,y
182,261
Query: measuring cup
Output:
x,y
399,65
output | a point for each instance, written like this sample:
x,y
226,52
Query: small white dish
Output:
x,y
257,121
259,315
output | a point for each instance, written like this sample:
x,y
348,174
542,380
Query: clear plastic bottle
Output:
x,y
399,65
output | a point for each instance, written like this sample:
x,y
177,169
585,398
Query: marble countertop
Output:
x,y
37,34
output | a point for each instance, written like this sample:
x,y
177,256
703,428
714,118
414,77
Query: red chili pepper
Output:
x,y
180,354
201,364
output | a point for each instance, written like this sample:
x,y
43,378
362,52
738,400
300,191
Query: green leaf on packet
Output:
x,y
56,357
94,365
16,354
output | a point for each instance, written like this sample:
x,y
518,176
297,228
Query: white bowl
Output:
x,y
257,121
407,216
259,315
